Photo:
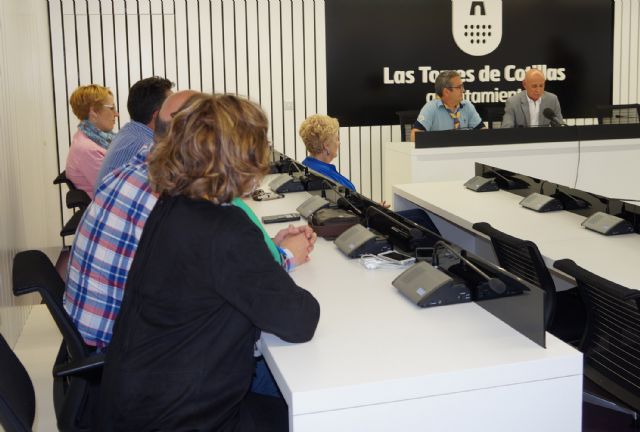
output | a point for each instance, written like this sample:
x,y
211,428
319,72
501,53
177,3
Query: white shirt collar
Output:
x,y
534,110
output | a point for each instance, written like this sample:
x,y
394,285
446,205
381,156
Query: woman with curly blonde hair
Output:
x,y
320,134
202,285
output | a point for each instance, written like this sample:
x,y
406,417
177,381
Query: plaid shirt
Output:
x,y
104,247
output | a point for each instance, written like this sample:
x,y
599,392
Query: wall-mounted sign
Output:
x,y
383,55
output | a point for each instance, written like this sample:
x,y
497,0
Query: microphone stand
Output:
x,y
495,284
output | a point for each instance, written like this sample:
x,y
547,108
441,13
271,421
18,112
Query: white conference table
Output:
x,y
378,362
558,235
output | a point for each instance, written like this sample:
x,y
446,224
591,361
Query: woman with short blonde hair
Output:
x,y
94,106
202,285
320,134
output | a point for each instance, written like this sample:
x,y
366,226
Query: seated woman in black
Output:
x,y
202,285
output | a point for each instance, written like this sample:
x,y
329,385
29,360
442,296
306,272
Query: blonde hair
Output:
x,y
216,148
316,130
86,97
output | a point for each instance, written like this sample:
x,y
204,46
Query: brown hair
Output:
x,y
216,148
86,97
316,130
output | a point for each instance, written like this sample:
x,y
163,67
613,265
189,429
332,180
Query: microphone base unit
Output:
x,y
481,184
427,286
541,203
311,205
607,224
358,241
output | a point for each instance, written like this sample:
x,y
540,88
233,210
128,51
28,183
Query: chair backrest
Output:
x,y
522,258
33,271
492,114
17,397
611,345
618,114
407,119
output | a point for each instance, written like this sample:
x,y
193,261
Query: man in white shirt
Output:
x,y
526,109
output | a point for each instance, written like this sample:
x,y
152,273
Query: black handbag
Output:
x,y
329,223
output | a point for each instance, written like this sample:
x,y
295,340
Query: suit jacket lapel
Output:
x,y
525,108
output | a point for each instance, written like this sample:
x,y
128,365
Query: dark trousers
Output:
x,y
268,413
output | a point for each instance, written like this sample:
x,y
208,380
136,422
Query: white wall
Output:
x,y
29,203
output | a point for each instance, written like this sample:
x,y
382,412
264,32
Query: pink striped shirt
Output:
x,y
83,162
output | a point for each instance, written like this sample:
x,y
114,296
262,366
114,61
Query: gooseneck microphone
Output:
x,y
551,116
495,284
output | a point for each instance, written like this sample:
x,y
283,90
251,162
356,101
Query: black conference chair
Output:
x,y
492,114
564,312
611,345
17,397
407,119
77,369
75,199
618,114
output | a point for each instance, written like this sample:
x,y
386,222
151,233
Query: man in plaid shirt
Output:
x,y
103,249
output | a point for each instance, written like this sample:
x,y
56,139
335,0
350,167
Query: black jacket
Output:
x,y
201,285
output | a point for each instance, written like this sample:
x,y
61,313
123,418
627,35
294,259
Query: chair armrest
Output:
x,y
72,224
77,198
92,362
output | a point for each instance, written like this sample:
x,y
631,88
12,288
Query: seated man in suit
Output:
x,y
525,109
449,111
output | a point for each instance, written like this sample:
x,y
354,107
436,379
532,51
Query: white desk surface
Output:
x,y
558,235
372,346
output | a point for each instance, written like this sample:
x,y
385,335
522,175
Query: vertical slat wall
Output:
x,y
272,51
626,55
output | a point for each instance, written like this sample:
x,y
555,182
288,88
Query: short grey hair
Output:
x,y
444,80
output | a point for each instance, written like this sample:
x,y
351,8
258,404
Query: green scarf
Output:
x,y
270,244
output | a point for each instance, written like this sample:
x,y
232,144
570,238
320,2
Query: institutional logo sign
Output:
x,y
477,25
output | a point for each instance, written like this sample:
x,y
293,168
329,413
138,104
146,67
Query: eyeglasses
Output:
x,y
111,107
461,87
